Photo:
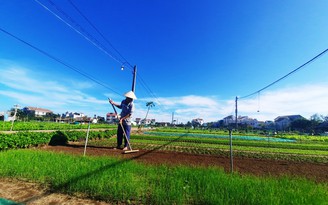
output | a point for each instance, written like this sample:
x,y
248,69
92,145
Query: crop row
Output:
x,y
236,147
223,150
25,126
177,144
29,139
284,135
265,144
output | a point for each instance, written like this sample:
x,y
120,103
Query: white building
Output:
x,y
282,122
37,112
111,117
74,115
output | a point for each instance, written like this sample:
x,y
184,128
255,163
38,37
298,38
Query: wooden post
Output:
x,y
231,154
86,139
14,118
236,113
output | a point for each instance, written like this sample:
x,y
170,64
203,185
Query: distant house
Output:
x,y
269,125
111,117
245,120
228,120
2,116
37,112
241,120
148,121
138,121
283,122
76,115
73,115
197,122
162,124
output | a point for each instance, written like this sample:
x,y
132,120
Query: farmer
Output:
x,y
125,120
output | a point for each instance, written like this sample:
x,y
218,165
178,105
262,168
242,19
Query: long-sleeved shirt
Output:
x,y
127,108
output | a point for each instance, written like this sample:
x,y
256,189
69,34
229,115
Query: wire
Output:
x,y
98,31
258,101
285,76
60,61
143,83
88,38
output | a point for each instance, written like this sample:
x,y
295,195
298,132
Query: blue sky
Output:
x,y
193,57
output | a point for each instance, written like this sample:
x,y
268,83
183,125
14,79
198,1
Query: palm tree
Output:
x,y
149,105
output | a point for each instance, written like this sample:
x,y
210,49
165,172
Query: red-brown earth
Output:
x,y
31,193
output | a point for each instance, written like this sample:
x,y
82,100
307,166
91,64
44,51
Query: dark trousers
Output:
x,y
120,134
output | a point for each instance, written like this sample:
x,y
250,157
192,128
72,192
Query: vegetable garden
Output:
x,y
135,179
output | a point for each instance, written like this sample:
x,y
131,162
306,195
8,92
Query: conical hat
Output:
x,y
131,95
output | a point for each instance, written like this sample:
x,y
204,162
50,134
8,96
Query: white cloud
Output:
x,y
29,88
186,108
305,100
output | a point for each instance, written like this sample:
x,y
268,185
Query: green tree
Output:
x,y
325,118
51,117
317,118
149,105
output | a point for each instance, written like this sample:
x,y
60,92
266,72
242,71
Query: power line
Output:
x,y
92,40
87,36
143,83
60,61
285,76
100,33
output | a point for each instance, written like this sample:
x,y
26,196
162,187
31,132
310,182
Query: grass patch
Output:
x,y
118,180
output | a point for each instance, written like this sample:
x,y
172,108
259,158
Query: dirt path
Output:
x,y
31,193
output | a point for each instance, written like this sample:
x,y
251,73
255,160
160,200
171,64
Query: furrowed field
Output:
x,y
171,167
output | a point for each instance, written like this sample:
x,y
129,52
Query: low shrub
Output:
x,y
30,139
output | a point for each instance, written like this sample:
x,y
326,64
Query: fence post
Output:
x,y
86,140
231,154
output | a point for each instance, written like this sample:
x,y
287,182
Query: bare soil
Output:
x,y
31,193
25,192
259,167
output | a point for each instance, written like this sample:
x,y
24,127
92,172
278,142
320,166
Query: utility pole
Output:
x,y
14,118
134,79
172,118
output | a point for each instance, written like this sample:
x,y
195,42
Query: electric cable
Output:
x,y
92,40
88,38
60,61
98,31
285,76
151,93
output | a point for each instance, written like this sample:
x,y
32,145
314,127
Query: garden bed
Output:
x,y
258,167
